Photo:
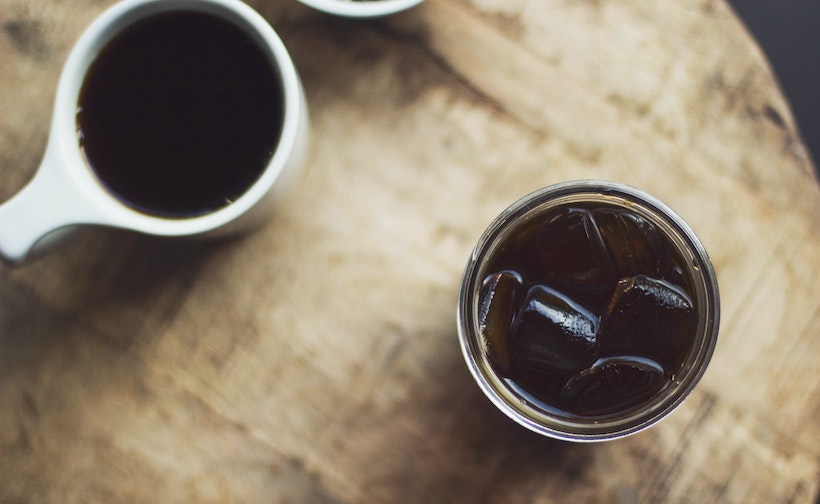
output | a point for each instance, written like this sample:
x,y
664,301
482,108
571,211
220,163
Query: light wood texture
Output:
x,y
317,361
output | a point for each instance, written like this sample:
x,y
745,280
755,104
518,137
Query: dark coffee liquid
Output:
x,y
180,114
587,311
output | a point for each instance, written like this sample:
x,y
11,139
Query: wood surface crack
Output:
x,y
293,472
476,92
658,490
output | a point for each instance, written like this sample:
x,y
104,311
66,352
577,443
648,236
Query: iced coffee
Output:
x,y
590,308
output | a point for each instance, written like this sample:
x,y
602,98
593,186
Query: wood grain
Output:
x,y
317,361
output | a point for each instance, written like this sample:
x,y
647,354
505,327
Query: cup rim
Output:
x,y
563,428
110,210
363,9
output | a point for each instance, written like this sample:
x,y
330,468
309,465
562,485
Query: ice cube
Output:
x,y
649,247
625,243
498,302
553,333
573,255
613,384
648,317
651,253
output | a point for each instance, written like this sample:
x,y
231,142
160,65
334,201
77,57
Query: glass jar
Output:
x,y
624,285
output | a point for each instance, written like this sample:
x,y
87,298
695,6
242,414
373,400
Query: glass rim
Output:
x,y
699,268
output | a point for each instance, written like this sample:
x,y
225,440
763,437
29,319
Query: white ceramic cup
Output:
x,y
65,192
361,8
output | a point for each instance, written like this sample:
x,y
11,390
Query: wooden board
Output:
x,y
317,360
